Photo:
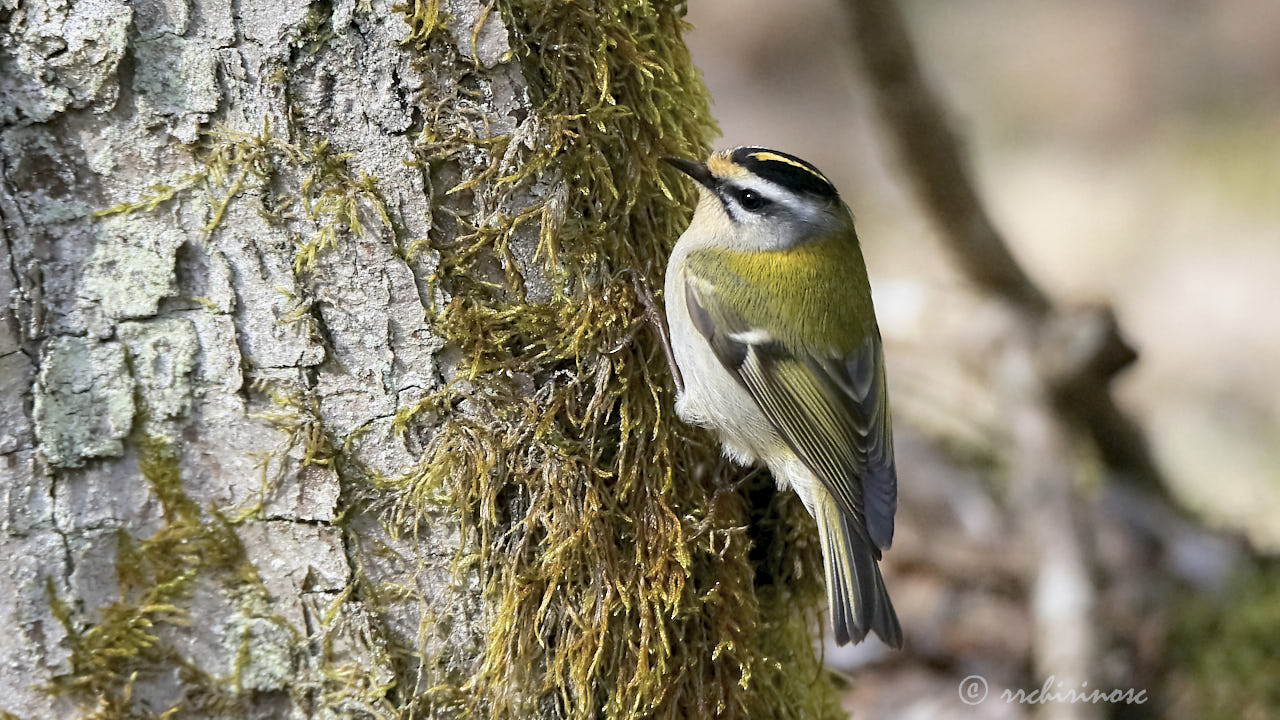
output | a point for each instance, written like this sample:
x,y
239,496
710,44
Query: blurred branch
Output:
x,y
931,155
1064,360
1080,350
1043,499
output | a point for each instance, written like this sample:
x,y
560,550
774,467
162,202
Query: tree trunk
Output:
x,y
327,391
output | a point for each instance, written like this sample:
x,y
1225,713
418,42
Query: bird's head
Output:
x,y
754,198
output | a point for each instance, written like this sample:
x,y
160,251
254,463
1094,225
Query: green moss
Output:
x,y
296,415
424,18
115,647
154,195
310,183
1224,652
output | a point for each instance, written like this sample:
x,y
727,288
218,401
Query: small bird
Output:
x,y
776,348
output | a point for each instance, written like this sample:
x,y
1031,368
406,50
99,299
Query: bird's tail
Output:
x,y
856,594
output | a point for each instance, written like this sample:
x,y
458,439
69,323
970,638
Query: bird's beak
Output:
x,y
695,170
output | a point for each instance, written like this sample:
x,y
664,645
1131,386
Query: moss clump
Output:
x,y
296,416
1225,652
121,645
614,547
423,17
310,183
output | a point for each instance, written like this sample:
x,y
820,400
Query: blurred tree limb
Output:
x,y
1055,374
1060,359
1079,349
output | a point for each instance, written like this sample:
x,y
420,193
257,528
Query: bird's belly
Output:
x,y
712,397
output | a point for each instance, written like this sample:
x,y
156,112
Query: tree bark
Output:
x,y
158,337
232,377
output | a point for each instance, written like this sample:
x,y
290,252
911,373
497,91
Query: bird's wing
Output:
x,y
832,410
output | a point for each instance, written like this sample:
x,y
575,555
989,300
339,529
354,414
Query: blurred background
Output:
x,y
1129,150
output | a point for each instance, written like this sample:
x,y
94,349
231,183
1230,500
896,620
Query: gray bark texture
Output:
x,y
191,338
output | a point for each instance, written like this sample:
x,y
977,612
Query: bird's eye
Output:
x,y
751,200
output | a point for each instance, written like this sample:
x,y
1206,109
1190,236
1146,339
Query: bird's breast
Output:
x,y
713,397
